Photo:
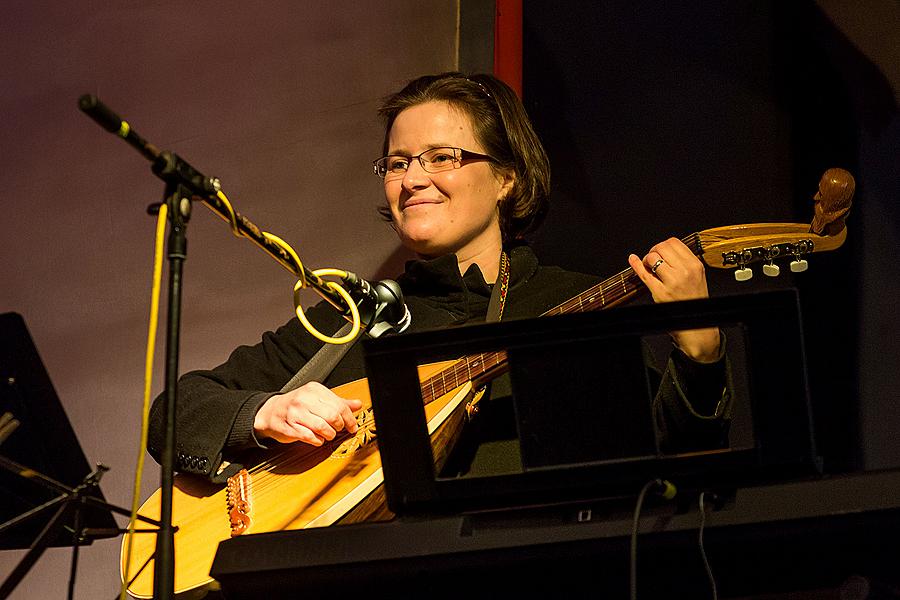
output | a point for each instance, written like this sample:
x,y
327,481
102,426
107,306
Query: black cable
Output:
x,y
667,491
709,573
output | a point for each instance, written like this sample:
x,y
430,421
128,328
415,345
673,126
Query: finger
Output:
x,y
679,264
349,418
677,254
663,253
320,401
321,427
326,394
688,276
679,248
653,262
287,433
342,417
330,411
644,274
317,425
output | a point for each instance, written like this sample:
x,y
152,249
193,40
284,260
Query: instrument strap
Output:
x,y
323,362
498,294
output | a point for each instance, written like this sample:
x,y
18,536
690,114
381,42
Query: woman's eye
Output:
x,y
398,164
441,158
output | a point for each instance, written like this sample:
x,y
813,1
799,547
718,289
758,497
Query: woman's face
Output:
x,y
453,211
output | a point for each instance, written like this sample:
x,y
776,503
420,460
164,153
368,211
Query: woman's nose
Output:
x,y
416,177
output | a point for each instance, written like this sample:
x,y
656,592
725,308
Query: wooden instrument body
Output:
x,y
302,486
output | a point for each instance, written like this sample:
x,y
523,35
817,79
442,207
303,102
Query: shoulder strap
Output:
x,y
323,362
498,293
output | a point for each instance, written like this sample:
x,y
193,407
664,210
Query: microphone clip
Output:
x,y
381,306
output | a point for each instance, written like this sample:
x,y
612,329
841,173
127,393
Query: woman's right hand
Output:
x,y
312,414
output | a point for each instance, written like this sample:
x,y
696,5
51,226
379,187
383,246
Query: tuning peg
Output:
x,y
799,265
743,274
771,270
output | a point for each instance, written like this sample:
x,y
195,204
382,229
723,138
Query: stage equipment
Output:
x,y
583,406
381,304
44,467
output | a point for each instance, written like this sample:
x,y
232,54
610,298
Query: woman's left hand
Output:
x,y
671,272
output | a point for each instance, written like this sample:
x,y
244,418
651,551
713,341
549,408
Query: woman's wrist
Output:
x,y
700,345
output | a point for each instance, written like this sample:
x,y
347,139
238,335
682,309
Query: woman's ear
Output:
x,y
507,179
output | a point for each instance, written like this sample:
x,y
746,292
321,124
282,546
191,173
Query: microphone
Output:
x,y
101,113
113,123
166,165
381,305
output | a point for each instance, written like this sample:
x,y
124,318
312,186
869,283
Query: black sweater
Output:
x,y
216,408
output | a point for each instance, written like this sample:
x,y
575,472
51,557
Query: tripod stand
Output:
x,y
69,506
35,430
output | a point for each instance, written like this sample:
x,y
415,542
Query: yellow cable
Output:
x,y
301,283
232,217
331,272
148,379
298,265
299,271
354,313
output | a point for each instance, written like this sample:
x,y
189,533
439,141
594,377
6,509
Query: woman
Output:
x,y
465,179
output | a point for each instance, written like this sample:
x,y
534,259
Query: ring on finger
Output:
x,y
656,266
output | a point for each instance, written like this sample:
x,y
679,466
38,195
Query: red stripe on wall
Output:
x,y
508,43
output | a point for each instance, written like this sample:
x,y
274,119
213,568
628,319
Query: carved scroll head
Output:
x,y
833,200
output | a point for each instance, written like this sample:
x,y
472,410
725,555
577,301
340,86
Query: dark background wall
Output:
x,y
664,119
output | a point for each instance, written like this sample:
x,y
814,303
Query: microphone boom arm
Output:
x,y
171,168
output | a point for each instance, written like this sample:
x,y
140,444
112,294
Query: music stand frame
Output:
x,y
784,441
71,501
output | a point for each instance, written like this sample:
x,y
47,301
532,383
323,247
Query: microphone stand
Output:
x,y
177,199
184,184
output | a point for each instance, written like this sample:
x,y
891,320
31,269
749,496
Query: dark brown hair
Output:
x,y
501,126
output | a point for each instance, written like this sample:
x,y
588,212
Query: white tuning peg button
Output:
x,y
771,270
798,266
743,274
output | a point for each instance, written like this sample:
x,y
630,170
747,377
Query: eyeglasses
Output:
x,y
434,160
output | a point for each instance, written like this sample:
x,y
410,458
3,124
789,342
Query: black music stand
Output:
x,y
555,469
51,497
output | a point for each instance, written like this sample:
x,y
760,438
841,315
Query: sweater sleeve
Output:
x,y
216,408
693,404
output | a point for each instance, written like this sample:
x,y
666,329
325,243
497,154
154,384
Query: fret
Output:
x,y
572,307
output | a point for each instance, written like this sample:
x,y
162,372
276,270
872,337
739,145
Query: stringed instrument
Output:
x,y
302,486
